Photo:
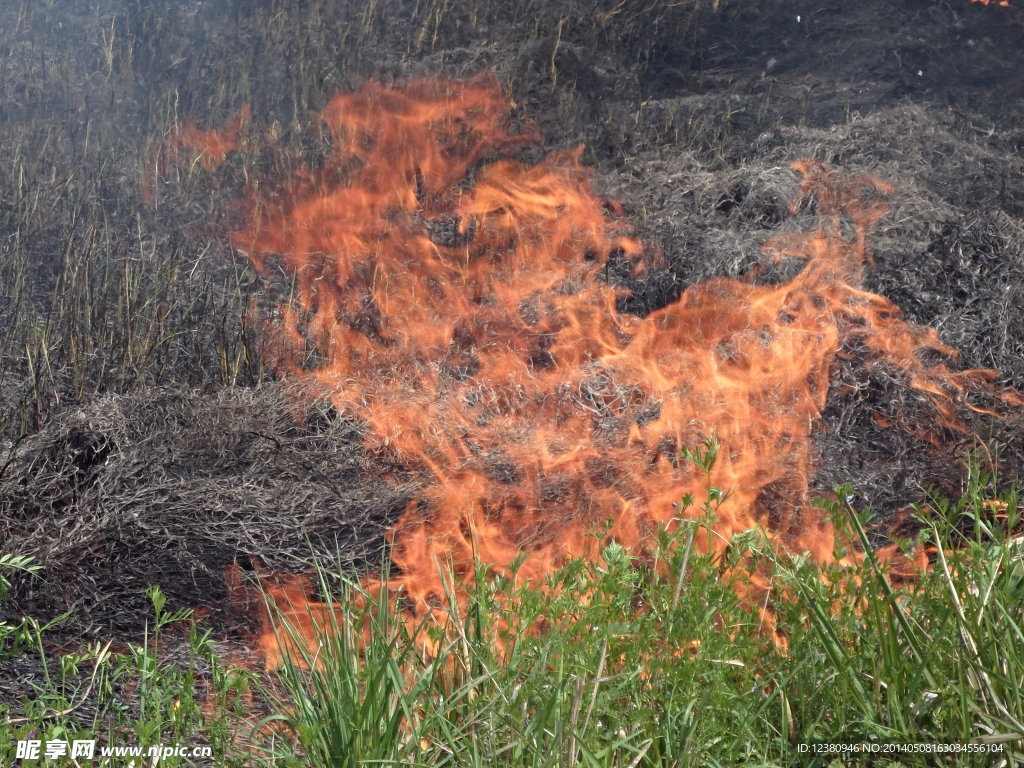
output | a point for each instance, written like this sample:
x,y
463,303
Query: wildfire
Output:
x,y
189,145
453,298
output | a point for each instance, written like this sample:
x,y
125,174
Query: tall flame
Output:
x,y
453,298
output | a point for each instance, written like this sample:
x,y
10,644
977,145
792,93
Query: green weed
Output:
x,y
614,663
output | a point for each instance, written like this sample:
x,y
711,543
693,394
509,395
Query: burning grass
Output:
x,y
614,664
455,299
430,297
629,669
691,112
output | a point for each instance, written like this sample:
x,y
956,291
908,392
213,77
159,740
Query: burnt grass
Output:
x,y
144,443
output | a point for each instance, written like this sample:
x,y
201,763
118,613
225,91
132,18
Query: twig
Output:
x,y
969,641
682,568
640,756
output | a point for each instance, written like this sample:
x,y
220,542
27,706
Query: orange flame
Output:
x,y
188,144
451,297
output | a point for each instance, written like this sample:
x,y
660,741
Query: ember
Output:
x,y
453,298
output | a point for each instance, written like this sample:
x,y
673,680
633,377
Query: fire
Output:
x,y
453,298
189,145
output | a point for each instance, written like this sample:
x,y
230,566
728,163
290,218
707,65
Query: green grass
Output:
x,y
619,662
178,693
610,665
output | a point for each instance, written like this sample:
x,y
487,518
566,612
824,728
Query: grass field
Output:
x,y
610,663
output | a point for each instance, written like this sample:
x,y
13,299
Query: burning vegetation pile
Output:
x,y
449,297
490,313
